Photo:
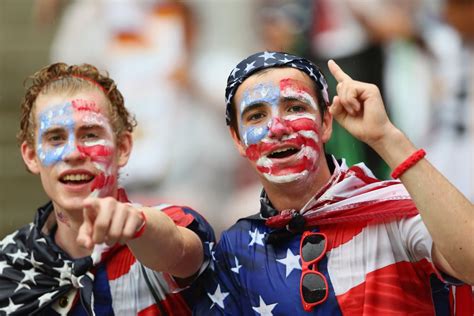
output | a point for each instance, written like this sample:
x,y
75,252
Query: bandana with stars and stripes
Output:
x,y
267,59
34,271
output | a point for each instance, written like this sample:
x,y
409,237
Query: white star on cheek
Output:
x,y
291,262
257,238
12,307
264,309
218,297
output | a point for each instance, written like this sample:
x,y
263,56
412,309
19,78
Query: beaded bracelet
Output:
x,y
141,229
408,163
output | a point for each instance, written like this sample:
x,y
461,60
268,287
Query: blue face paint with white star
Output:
x,y
60,116
266,93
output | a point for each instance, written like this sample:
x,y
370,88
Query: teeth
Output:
x,y
77,177
280,150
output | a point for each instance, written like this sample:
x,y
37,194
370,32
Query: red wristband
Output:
x,y
408,163
141,229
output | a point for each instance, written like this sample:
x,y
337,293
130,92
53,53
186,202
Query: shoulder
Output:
x,y
188,217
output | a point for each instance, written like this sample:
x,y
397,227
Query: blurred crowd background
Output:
x,y
171,59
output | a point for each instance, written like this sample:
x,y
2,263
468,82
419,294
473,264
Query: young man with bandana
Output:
x,y
331,239
90,251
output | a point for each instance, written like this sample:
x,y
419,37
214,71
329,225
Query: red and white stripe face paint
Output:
x,y
279,125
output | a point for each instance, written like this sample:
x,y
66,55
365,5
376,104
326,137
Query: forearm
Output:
x,y
447,214
166,247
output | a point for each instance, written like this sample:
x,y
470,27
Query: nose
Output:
x,y
278,128
72,153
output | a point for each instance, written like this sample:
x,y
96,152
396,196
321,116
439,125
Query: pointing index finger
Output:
x,y
337,72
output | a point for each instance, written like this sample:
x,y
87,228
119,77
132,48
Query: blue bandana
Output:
x,y
263,60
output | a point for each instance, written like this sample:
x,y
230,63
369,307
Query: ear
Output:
x,y
326,129
29,157
124,146
237,142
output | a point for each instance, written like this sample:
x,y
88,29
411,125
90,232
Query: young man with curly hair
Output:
x,y
89,250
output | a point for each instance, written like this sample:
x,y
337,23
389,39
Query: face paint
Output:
x,y
261,93
78,125
60,117
282,130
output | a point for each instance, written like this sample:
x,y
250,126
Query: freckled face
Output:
x,y
75,147
280,124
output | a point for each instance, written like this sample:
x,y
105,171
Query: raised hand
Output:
x,y
358,107
108,221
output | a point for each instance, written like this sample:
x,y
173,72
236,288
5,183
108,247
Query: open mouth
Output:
x,y
79,178
283,153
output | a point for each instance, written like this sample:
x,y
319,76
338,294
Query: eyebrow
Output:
x,y
88,127
52,130
252,106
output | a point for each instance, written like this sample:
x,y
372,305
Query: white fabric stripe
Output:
x,y
392,192
130,293
375,247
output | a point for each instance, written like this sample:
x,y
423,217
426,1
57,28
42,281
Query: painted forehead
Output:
x,y
64,113
272,92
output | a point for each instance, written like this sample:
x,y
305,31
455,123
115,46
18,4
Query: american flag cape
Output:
x,y
377,262
35,272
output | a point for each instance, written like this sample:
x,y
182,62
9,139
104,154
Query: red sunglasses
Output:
x,y
313,284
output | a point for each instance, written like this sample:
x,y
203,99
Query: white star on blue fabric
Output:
x,y
17,255
29,275
3,265
8,240
250,66
291,262
12,307
64,271
237,266
264,309
234,71
267,55
46,297
22,286
286,60
257,238
33,261
41,240
218,297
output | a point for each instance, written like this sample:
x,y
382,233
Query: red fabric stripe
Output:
x,y
120,263
373,211
397,289
341,233
464,301
178,216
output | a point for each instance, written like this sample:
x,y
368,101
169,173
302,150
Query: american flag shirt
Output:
x,y
372,268
38,278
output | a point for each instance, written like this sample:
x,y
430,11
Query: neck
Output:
x,y
68,224
295,195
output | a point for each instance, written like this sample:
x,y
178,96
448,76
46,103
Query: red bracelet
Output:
x,y
408,163
141,229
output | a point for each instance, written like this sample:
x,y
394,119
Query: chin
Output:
x,y
286,178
